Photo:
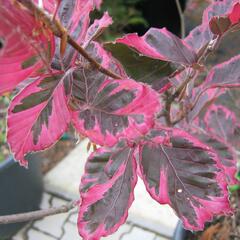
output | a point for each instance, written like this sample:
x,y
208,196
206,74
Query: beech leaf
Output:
x,y
38,116
181,171
106,191
27,46
97,28
106,110
142,68
202,99
200,36
220,121
161,44
78,27
224,75
225,152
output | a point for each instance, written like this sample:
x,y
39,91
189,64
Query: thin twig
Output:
x,y
179,90
35,215
182,20
59,31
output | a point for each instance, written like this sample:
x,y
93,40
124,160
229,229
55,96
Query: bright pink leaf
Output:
x,y
161,44
38,116
106,191
181,171
27,47
234,15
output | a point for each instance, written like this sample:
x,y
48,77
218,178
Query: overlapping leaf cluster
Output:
x,y
185,154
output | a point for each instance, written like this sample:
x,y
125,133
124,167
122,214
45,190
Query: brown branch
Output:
x,y
59,31
35,215
92,61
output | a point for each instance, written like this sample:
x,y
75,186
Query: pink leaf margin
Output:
x,y
216,206
98,192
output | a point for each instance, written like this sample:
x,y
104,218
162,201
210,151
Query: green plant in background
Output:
x,y
125,12
4,101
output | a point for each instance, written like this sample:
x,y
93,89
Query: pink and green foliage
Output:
x,y
153,114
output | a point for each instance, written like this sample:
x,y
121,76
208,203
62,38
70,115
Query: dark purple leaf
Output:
x,y
219,25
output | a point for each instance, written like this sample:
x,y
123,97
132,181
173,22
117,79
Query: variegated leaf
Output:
x,y
27,46
200,36
181,171
220,121
38,115
201,99
161,44
114,109
75,16
225,152
224,75
104,109
97,28
106,191
142,68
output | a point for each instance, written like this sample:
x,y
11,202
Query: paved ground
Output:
x,y
147,219
63,227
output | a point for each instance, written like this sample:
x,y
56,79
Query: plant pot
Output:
x,y
180,233
20,191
